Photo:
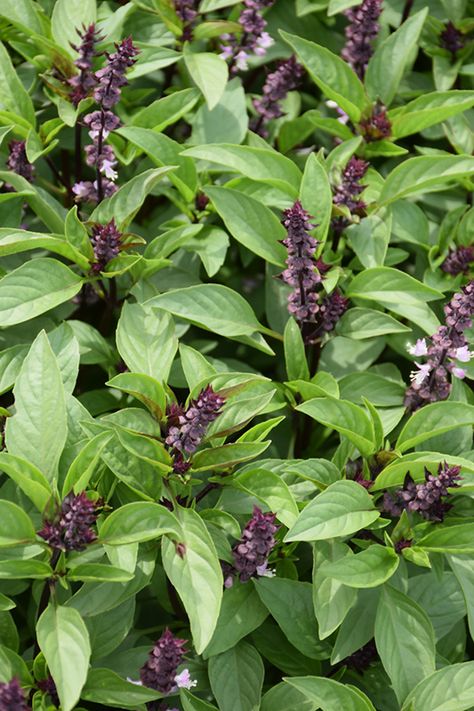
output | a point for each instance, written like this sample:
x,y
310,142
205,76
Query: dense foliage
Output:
x,y
237,242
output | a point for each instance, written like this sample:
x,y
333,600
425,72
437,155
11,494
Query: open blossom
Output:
x,y
300,272
254,39
12,697
458,261
258,540
427,498
443,351
160,670
18,162
71,529
187,427
105,242
84,82
285,78
360,34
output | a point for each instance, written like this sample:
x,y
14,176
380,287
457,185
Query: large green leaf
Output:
x,y
28,478
387,65
106,688
331,73
48,209
137,522
166,110
367,569
38,429
405,641
256,163
424,174
272,490
343,508
16,527
316,196
427,110
64,641
331,695
13,95
331,599
448,689
251,223
449,539
434,419
236,678
68,17
344,417
390,286
35,287
209,72
195,572
13,241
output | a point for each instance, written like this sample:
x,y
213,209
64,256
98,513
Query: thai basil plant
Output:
x,y
236,355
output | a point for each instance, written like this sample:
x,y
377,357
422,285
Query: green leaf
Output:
x,y
250,222
342,509
259,164
432,420
146,340
236,678
241,613
125,203
388,63
361,323
425,174
367,569
93,572
209,72
196,575
272,490
163,152
14,241
34,288
405,641
106,688
28,478
228,121
415,463
331,73
449,539
370,238
283,697
145,388
295,357
167,110
213,307
331,599
390,286
290,604
13,95
316,196
38,429
137,522
331,695
227,455
67,17
16,527
427,110
463,568
64,641
84,464
448,689
344,417
18,569
23,13
49,210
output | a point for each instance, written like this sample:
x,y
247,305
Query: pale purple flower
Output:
x,y
458,373
183,680
463,354
106,241
420,375
285,78
420,348
254,40
83,83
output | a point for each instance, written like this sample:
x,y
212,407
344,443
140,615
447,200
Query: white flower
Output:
x,y
420,375
264,571
227,52
343,117
419,349
108,169
137,682
459,373
184,681
463,354
241,60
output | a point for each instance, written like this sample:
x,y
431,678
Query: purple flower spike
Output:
x,y
186,428
347,192
458,260
257,542
17,161
447,347
425,499
254,39
452,39
377,126
187,11
159,671
105,241
12,697
83,83
112,77
285,78
71,529
360,34
332,308
300,272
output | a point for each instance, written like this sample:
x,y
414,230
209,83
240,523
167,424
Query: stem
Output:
x,y
204,492
78,152
56,173
406,10
100,140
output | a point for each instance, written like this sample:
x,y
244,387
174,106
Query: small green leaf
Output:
x,y
367,569
145,388
449,539
16,527
331,695
137,522
209,72
424,174
106,688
